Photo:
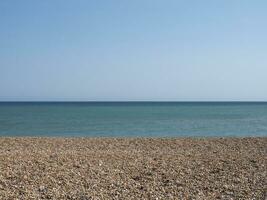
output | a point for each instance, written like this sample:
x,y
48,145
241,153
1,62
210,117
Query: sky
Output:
x,y
141,50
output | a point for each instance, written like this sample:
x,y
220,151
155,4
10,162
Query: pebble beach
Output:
x,y
133,168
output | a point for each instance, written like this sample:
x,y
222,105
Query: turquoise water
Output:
x,y
133,119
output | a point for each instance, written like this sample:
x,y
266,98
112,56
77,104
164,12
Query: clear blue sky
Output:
x,y
133,50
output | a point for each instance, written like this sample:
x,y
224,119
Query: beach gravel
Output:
x,y
128,168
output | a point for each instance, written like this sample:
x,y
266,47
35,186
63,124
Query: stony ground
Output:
x,y
184,168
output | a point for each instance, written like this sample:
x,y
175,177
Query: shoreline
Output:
x,y
132,137
133,168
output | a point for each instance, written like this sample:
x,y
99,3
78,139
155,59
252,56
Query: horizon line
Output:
x,y
134,101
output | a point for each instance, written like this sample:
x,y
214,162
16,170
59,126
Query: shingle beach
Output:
x,y
112,168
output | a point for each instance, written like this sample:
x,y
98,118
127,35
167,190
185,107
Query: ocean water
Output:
x,y
133,119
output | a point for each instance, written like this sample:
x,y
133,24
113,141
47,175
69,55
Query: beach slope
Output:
x,y
112,168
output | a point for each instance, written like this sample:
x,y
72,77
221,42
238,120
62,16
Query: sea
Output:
x,y
133,119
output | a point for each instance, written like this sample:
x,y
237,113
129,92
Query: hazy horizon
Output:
x,y
133,51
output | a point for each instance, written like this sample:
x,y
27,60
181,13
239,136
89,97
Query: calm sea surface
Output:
x,y
133,119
